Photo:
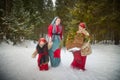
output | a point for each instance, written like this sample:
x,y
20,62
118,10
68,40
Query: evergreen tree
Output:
x,y
30,18
101,18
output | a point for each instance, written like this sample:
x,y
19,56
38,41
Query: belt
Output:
x,y
55,34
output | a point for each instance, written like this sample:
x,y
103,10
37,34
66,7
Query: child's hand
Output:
x,y
50,45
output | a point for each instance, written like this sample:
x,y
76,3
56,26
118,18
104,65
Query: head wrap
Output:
x,y
82,24
42,39
53,21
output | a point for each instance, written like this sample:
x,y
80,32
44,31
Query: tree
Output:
x,y
24,19
101,18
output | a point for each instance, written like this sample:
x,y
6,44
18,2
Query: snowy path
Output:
x,y
16,64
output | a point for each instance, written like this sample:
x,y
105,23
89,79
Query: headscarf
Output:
x,y
42,40
82,24
53,24
53,21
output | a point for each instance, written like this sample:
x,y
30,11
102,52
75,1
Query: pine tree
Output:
x,y
101,18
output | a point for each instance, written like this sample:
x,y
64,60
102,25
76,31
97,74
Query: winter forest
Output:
x,y
29,19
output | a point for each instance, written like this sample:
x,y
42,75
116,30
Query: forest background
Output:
x,y
29,19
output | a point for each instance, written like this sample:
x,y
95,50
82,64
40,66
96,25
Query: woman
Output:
x,y
55,36
81,37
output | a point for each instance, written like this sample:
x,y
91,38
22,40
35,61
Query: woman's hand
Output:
x,y
49,39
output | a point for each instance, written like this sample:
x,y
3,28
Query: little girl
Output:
x,y
42,51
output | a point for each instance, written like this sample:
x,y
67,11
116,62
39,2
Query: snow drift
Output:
x,y
16,64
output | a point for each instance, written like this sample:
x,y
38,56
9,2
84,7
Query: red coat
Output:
x,y
50,28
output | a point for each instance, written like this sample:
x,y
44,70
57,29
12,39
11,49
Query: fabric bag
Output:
x,y
34,54
86,49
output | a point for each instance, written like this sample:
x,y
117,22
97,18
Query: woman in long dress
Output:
x,y
81,37
55,37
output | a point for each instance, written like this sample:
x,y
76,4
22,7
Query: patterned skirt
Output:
x,y
55,61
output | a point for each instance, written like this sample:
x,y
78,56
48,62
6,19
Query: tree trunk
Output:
x,y
116,38
8,6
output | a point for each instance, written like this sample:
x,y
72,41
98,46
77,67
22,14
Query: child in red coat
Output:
x,y
42,51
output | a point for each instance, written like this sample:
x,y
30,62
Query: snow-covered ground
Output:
x,y
16,64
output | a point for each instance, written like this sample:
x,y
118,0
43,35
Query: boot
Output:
x,y
46,67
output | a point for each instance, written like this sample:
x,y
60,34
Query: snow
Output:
x,y
54,2
16,64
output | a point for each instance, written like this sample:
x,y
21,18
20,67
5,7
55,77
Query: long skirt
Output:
x,y
43,62
78,61
55,60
